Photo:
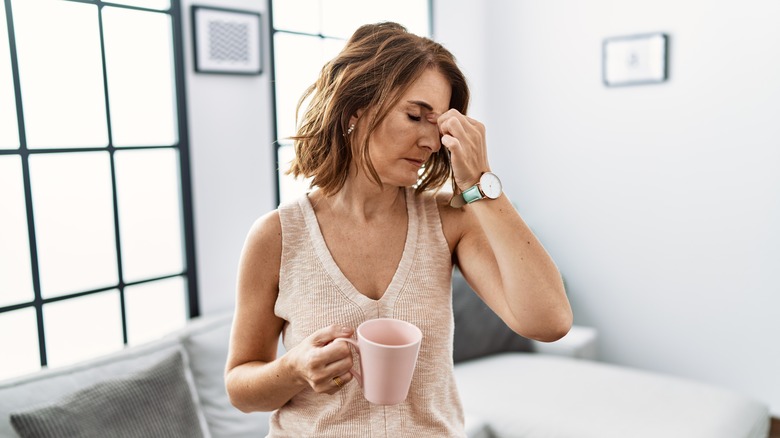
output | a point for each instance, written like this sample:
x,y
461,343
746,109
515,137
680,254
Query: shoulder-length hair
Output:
x,y
377,65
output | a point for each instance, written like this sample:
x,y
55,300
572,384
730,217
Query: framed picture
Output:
x,y
636,59
226,41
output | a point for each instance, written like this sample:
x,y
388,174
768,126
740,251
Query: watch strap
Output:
x,y
457,201
467,197
472,194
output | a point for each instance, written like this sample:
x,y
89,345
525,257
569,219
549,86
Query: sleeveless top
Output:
x,y
314,293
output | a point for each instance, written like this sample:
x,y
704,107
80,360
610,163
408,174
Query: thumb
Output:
x,y
326,335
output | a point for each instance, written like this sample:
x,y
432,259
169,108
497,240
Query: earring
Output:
x,y
351,128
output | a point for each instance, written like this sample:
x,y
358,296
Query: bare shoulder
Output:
x,y
267,229
263,246
258,272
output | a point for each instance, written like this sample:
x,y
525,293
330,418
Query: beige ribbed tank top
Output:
x,y
314,293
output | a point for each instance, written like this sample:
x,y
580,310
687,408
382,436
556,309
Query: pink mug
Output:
x,y
388,354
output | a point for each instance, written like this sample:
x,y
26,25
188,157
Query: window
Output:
x,y
96,246
308,33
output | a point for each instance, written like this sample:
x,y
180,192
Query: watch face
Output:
x,y
490,185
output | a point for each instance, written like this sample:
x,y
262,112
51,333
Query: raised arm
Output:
x,y
497,252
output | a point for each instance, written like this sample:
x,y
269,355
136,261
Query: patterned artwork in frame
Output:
x,y
226,41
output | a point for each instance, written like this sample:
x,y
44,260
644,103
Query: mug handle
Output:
x,y
354,343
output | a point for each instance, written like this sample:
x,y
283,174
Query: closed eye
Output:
x,y
415,118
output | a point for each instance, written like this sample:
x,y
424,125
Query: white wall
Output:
x,y
232,161
461,27
660,203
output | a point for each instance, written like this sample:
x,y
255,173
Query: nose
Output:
x,y
430,137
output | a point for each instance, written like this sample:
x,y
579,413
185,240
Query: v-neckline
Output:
x,y
337,275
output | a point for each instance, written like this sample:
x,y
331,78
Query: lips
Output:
x,y
415,161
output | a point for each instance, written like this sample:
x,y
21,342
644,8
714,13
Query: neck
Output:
x,y
364,203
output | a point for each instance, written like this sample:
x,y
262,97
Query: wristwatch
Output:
x,y
489,186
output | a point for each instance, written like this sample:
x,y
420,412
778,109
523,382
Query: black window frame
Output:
x,y
189,273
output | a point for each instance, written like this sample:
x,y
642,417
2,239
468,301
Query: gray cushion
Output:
x,y
155,402
47,385
206,342
479,331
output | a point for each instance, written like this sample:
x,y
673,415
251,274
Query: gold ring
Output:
x,y
338,382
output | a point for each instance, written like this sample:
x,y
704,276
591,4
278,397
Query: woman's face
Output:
x,y
408,136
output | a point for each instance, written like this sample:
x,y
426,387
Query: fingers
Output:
x,y
325,336
319,359
450,142
464,138
452,124
339,360
465,129
454,115
326,353
322,378
339,382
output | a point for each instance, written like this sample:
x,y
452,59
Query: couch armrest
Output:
x,y
579,343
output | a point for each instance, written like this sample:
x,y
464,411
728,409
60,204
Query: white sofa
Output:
x,y
555,391
530,395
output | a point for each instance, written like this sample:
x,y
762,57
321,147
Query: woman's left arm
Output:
x,y
497,252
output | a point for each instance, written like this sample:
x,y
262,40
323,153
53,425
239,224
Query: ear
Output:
x,y
354,119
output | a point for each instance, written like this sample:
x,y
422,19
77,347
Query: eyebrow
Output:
x,y
425,105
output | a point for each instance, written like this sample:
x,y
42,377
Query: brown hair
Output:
x,y
377,65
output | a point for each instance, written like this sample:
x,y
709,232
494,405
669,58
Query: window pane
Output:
x,y
139,66
74,221
299,60
341,18
297,16
20,351
155,309
81,328
15,275
62,74
9,131
149,204
289,188
160,5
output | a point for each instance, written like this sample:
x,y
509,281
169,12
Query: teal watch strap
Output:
x,y
472,194
488,187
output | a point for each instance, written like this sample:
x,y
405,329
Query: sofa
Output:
x,y
514,387
510,387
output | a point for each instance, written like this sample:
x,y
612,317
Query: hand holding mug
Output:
x,y
322,364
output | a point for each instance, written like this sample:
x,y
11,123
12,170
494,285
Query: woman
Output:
x,y
384,130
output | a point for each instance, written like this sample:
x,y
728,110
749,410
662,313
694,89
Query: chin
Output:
x,y
405,181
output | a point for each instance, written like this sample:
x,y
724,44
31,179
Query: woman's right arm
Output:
x,y
255,379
